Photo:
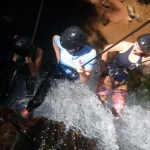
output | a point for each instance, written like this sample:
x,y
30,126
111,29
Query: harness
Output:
x,y
119,73
69,73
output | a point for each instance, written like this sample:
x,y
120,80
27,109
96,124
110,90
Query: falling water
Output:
x,y
78,107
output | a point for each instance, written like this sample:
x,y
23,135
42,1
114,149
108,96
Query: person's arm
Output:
x,y
34,67
15,57
84,75
56,48
85,72
121,47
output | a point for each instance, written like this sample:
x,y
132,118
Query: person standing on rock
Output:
x,y
114,78
28,59
72,52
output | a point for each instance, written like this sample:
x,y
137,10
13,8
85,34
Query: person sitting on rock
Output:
x,y
72,52
114,78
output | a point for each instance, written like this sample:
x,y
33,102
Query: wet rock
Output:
x,y
131,11
32,128
17,133
9,115
10,138
56,137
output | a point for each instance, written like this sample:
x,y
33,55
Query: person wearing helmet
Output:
x,y
26,53
72,52
28,59
114,78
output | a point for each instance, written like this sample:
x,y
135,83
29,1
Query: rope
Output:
x,y
37,22
144,24
124,66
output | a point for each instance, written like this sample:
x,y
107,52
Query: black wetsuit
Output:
x,y
30,79
42,91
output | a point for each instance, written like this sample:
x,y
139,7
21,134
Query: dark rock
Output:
x,y
10,116
15,141
32,128
57,137
17,133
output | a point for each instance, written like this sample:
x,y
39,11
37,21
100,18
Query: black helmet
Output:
x,y
72,37
22,45
144,42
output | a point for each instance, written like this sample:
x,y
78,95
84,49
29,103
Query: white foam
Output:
x,y
77,106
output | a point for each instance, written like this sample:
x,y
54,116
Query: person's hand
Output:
x,y
28,60
80,69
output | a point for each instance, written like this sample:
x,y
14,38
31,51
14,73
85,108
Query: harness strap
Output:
x,y
120,74
71,77
123,81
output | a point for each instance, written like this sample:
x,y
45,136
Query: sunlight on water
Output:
x,y
77,106
134,132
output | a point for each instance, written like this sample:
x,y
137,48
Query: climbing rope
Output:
x,y
37,22
143,25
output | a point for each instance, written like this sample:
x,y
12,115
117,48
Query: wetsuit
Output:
x,y
30,79
69,61
109,84
37,99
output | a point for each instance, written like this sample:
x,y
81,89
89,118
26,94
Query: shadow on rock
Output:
x,y
144,1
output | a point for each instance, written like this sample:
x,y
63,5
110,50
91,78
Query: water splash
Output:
x,y
134,133
78,107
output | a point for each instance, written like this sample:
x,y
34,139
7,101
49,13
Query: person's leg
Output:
x,y
118,99
30,86
40,94
104,88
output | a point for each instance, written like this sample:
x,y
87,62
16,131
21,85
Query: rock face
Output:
x,y
124,17
17,133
